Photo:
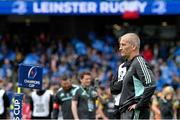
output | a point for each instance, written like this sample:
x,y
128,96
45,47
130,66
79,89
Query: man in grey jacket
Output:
x,y
138,85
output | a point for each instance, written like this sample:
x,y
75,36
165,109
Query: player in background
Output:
x,y
63,97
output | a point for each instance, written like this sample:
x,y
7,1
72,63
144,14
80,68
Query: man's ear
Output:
x,y
134,47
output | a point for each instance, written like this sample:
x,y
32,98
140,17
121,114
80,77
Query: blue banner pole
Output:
x,y
18,99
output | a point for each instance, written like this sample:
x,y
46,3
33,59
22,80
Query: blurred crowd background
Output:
x,y
73,44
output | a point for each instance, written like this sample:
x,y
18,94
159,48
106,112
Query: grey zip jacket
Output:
x,y
138,85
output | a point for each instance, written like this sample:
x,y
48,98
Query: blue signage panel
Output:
x,y
90,7
18,98
30,76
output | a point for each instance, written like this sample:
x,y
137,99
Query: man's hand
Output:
x,y
132,107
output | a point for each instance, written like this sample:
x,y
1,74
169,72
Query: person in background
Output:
x,y
101,103
109,108
4,102
155,108
167,108
63,99
26,112
83,101
41,102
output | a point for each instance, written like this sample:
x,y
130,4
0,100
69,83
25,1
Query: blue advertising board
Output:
x,y
90,7
30,76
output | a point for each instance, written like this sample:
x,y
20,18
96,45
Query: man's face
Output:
x,y
86,80
66,85
125,48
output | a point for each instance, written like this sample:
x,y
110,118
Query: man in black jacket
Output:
x,y
138,85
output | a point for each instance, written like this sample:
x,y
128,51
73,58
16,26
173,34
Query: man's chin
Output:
x,y
123,57
87,85
66,89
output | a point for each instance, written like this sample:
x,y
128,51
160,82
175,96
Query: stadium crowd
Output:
x,y
71,56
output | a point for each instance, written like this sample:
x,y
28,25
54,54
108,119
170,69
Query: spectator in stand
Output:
x,y
147,53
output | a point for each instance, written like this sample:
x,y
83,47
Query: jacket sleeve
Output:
x,y
145,75
51,104
6,98
115,85
56,103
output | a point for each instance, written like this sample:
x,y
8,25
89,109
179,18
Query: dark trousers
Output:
x,y
87,115
116,112
136,114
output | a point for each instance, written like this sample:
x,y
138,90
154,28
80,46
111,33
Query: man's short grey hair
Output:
x,y
133,39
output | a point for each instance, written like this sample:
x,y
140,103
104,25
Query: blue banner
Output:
x,y
30,76
90,7
18,98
